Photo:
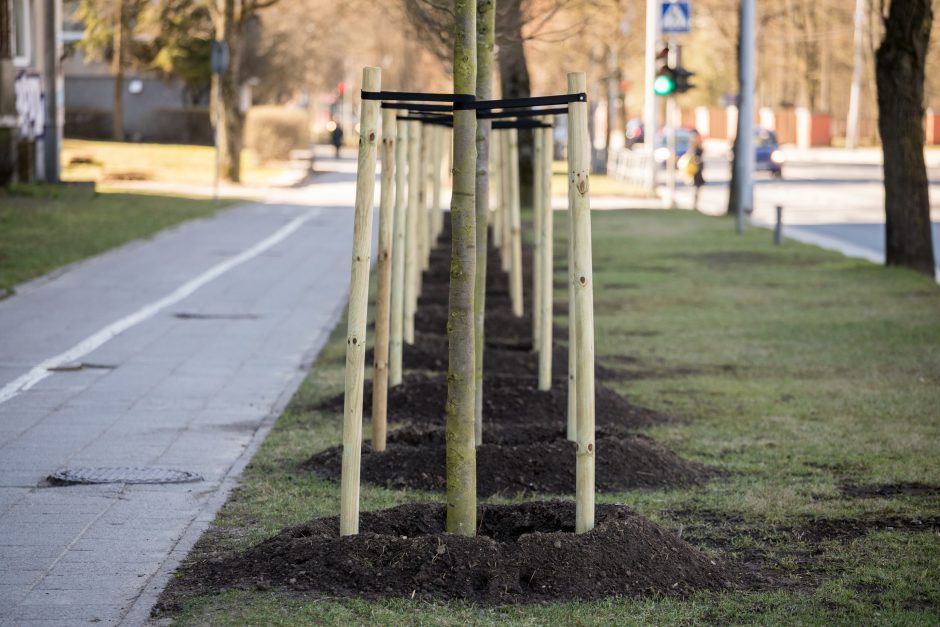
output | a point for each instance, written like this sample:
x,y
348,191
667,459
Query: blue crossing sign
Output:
x,y
676,17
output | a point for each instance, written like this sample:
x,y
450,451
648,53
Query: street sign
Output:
x,y
676,17
218,59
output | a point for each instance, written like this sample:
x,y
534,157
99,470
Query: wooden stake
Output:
x,y
384,288
427,141
546,269
579,164
515,228
412,262
497,169
536,239
398,255
505,209
358,307
572,336
437,216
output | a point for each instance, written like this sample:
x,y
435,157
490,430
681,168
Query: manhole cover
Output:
x,y
122,475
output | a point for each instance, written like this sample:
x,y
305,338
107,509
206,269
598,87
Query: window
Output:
x,y
22,33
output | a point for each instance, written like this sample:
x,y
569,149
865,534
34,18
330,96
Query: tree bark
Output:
x,y
733,183
486,25
228,29
7,101
899,67
459,410
514,83
117,69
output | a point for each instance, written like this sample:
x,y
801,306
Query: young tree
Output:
x,y
7,100
486,26
900,64
459,410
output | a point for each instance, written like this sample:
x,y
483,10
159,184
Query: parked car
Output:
x,y
634,134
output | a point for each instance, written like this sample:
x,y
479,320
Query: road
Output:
x,y
828,197
175,352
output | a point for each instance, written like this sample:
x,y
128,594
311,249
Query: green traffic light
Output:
x,y
664,84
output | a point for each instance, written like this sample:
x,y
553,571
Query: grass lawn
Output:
x,y
44,227
795,370
114,162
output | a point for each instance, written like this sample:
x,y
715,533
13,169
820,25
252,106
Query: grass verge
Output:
x,y
115,162
796,370
45,227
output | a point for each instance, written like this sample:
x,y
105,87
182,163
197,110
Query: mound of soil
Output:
x,y
522,554
429,353
506,400
518,461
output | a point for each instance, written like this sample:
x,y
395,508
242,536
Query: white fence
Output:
x,y
631,166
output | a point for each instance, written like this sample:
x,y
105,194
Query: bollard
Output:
x,y
384,288
778,228
579,167
358,308
398,257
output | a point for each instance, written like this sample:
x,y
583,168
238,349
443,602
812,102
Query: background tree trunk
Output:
x,y
514,83
459,410
733,183
486,23
232,124
117,69
7,101
900,64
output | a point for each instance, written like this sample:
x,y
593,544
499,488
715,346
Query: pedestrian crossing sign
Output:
x,y
676,17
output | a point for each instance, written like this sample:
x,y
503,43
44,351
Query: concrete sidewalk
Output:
x,y
192,342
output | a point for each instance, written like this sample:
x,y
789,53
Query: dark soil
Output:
x,y
880,490
522,554
507,400
525,462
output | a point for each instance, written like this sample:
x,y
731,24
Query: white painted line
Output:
x,y
41,370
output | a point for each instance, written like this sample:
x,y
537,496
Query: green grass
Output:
x,y
809,370
45,227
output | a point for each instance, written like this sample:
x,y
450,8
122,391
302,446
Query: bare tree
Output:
x,y
900,65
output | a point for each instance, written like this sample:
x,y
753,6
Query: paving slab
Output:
x,y
203,332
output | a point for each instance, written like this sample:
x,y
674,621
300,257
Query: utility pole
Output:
x,y
851,125
649,96
744,159
673,61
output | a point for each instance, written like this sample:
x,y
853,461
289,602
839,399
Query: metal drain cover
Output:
x,y
122,474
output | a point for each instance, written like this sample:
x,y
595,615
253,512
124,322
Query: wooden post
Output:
x,y
427,141
572,336
437,215
537,238
515,228
579,167
358,307
383,293
398,256
546,269
412,262
505,211
497,169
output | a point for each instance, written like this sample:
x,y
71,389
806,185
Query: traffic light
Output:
x,y
682,77
665,82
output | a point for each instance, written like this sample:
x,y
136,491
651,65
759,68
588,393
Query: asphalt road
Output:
x,y
829,201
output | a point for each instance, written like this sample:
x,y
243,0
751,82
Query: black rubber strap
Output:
x,y
513,113
520,124
403,96
439,120
412,106
521,103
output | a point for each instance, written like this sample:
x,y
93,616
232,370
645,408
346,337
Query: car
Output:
x,y
683,139
768,156
634,133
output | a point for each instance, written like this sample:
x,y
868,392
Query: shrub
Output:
x,y
273,131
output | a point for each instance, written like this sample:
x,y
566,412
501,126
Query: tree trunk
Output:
x,y
117,69
899,67
733,183
486,22
7,100
230,139
459,410
514,83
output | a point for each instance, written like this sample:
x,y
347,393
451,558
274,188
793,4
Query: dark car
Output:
x,y
768,156
634,132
